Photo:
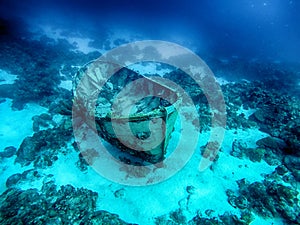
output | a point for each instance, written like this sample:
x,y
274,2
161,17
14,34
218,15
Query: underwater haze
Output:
x,y
150,112
250,29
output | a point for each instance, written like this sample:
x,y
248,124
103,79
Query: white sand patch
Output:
x,y
246,112
81,44
142,204
222,81
50,32
66,84
7,78
150,68
14,127
249,136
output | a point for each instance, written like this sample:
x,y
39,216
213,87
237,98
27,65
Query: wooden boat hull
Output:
x,y
139,125
114,129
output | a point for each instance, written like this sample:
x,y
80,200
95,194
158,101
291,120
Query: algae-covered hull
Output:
x,y
129,142
141,125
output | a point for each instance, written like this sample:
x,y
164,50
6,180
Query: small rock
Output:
x,y
268,142
292,162
13,180
178,217
281,170
191,189
119,193
209,212
289,214
45,116
28,151
255,154
237,148
35,126
231,198
241,202
288,193
273,159
259,115
8,152
296,175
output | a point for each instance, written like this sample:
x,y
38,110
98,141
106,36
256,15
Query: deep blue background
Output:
x,y
251,29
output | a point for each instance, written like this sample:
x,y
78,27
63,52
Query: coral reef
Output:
x,y
40,65
268,199
53,205
43,147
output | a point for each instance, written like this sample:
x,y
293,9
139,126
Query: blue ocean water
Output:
x,y
50,172
252,29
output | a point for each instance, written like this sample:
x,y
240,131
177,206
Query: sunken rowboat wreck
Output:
x,y
132,112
